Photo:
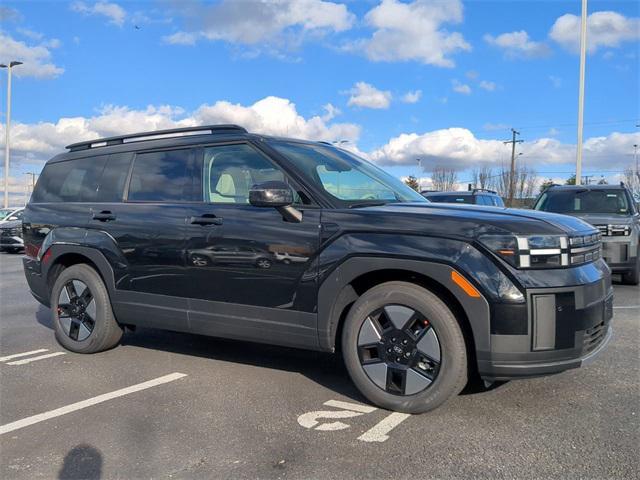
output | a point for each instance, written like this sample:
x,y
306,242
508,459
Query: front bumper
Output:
x,y
11,242
567,327
620,253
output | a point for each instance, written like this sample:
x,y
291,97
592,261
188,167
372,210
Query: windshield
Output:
x,y
345,176
585,201
451,198
4,213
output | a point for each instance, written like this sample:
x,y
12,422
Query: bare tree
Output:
x,y
632,180
444,178
483,177
525,181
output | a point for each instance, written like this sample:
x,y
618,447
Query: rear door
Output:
x,y
143,202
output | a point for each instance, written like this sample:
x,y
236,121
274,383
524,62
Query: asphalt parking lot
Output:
x,y
170,405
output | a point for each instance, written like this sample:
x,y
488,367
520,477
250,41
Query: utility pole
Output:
x,y
7,127
32,186
583,58
587,179
512,172
635,159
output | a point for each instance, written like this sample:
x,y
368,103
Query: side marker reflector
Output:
x,y
464,284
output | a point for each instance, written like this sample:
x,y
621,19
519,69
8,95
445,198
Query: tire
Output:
x,y
632,277
94,326
263,263
447,378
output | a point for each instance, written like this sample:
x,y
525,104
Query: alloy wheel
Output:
x,y
399,350
76,310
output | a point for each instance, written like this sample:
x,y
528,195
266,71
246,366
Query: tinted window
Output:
x,y
345,176
69,181
585,201
166,176
114,176
497,201
231,170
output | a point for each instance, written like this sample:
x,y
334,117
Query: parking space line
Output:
x,y
41,417
350,406
24,354
378,433
626,306
35,359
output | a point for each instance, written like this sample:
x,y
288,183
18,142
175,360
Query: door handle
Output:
x,y
104,216
206,220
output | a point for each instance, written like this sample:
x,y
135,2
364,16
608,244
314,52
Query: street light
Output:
x,y
8,126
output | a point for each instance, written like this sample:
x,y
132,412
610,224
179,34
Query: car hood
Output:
x,y
474,220
604,218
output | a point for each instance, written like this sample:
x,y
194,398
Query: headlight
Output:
x,y
544,251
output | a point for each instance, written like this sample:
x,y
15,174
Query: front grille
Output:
x,y
594,336
614,230
11,232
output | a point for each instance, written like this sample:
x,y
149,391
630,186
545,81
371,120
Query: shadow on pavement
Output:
x,y
83,462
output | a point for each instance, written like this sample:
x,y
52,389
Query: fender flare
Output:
x,y
336,292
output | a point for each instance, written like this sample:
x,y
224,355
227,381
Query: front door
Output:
x,y
251,274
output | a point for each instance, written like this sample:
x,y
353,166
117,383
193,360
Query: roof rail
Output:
x,y
102,142
483,190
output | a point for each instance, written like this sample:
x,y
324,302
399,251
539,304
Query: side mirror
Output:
x,y
277,195
12,218
271,194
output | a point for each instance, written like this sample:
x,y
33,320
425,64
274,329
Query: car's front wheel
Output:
x,y
404,348
81,311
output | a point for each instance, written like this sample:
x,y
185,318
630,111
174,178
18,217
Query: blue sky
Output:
x,y
474,69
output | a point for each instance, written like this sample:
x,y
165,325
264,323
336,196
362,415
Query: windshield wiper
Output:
x,y
367,204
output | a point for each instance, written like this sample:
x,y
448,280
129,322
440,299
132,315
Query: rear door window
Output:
x,y
70,180
114,177
165,176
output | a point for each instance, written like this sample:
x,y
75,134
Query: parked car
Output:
x,y
11,236
10,214
611,209
419,296
477,196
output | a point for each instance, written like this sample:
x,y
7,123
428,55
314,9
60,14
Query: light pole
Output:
x,y
635,159
7,127
583,58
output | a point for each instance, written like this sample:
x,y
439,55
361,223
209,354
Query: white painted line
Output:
x,y
35,359
378,433
627,306
311,419
18,355
25,422
356,407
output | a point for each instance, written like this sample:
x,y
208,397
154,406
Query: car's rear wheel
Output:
x,y
81,311
404,348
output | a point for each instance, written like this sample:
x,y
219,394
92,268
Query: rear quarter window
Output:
x,y
70,180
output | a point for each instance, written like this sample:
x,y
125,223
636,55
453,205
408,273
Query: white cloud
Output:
x,y
412,97
518,45
461,87
488,86
114,12
472,74
414,31
34,143
30,34
331,112
252,22
366,95
459,148
181,38
604,29
36,58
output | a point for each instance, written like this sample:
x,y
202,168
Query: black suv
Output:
x,y
172,229
477,196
